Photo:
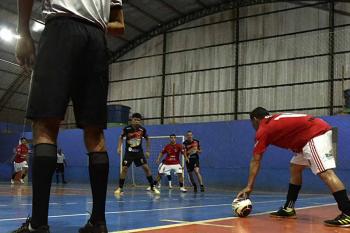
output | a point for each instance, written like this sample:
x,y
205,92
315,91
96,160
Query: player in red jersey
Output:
x,y
172,161
310,139
20,163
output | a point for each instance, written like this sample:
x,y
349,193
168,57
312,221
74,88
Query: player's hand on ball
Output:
x,y
244,193
147,155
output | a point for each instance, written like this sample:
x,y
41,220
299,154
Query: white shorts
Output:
x,y
19,166
167,169
317,154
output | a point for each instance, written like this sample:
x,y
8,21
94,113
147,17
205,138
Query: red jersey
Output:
x,y
288,130
172,152
21,153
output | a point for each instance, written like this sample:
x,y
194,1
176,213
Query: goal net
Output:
x,y
136,175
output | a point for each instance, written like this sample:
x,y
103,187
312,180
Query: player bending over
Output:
x,y
310,139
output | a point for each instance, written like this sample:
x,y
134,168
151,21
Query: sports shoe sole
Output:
x,y
341,226
277,216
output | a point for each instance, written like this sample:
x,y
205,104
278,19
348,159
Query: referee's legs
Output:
x,y
44,164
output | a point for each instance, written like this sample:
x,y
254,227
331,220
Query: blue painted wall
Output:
x,y
227,149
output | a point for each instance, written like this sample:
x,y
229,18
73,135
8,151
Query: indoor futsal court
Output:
x,y
223,116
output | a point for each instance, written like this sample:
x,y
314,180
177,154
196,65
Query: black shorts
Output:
x,y
193,162
72,64
139,159
60,168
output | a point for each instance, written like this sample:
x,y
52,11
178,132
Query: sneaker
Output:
x,y
26,226
21,181
284,213
148,188
183,189
12,181
195,189
202,188
155,191
159,186
94,228
170,186
342,220
119,191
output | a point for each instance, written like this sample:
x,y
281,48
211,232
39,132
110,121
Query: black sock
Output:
x,y
292,195
57,178
44,165
343,201
150,181
121,183
63,180
181,184
98,171
169,177
23,176
14,175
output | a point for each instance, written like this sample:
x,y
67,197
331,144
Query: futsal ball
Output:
x,y
242,207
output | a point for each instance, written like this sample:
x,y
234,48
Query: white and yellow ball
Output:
x,y
242,207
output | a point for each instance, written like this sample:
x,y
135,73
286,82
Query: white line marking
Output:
x,y
207,224
207,221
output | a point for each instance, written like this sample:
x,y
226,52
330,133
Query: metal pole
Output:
x,y
163,80
331,56
236,59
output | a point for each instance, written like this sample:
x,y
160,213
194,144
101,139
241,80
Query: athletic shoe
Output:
x,y
119,191
170,186
195,189
94,228
148,188
183,189
284,213
12,181
342,220
202,188
155,191
159,186
26,226
21,181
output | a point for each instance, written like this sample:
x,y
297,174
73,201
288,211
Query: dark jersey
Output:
x,y
192,148
134,138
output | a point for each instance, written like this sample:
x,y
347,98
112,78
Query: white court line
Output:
x,y
145,210
206,224
208,221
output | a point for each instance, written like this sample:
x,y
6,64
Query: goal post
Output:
x,y
136,177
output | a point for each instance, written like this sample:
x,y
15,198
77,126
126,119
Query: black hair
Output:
x,y
136,115
172,135
189,131
23,138
259,113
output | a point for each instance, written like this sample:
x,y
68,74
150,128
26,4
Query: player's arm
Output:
x,y
120,143
199,148
159,157
116,26
254,168
183,151
148,146
25,51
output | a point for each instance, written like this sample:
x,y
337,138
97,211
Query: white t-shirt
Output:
x,y
60,158
95,11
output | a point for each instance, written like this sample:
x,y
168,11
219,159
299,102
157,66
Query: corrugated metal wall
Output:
x,y
283,65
